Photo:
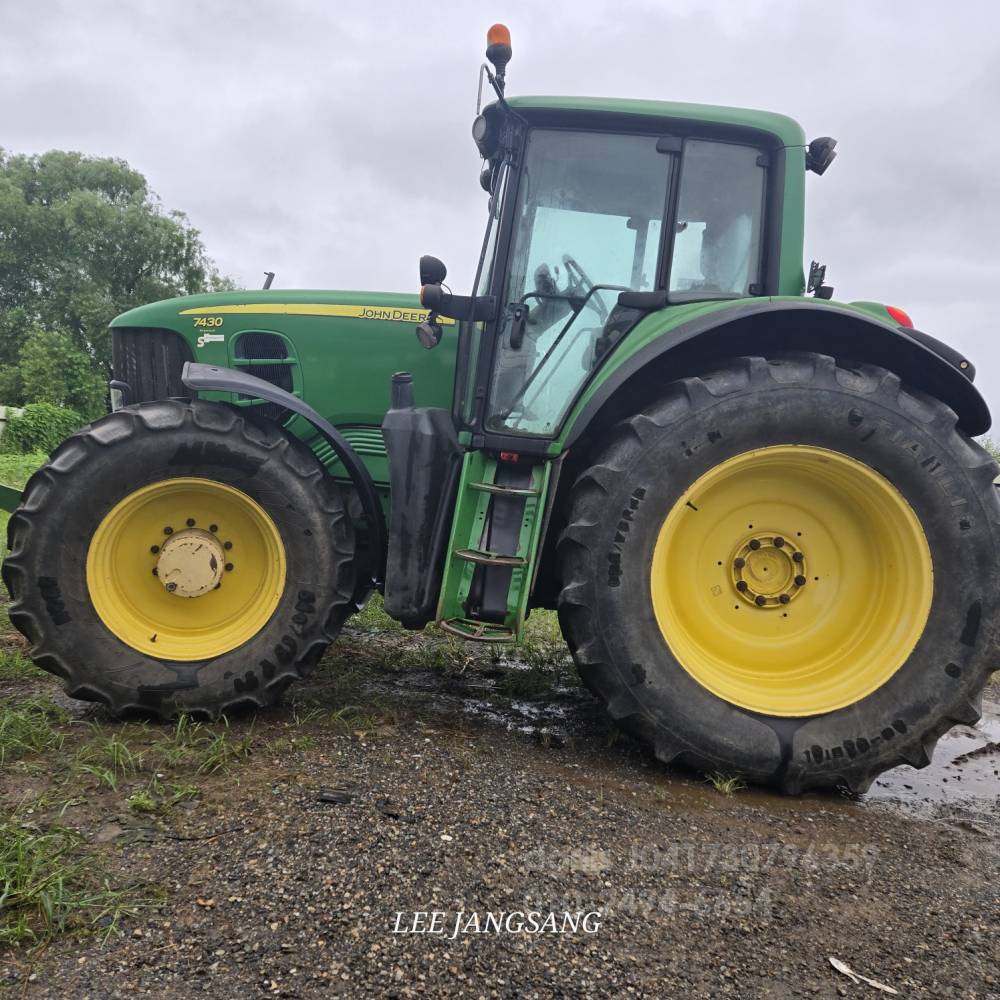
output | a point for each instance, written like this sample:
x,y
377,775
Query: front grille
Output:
x,y
150,362
256,346
260,346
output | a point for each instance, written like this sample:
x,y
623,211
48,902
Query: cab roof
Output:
x,y
787,130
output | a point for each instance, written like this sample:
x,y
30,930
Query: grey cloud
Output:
x,y
330,142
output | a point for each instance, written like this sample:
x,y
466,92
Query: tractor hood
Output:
x,y
175,313
338,350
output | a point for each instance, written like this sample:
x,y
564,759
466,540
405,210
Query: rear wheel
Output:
x,y
786,569
175,557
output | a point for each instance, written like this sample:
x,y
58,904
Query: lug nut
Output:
x,y
741,586
784,598
754,544
171,587
190,522
229,567
227,545
156,572
778,541
213,528
168,530
800,581
797,556
154,549
739,562
760,600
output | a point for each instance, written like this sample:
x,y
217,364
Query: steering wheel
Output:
x,y
580,284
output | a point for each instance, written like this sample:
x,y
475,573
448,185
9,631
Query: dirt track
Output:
x,y
272,892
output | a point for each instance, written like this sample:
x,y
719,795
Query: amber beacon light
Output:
x,y
498,51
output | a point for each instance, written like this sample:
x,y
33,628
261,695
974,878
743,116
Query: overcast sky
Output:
x,y
330,142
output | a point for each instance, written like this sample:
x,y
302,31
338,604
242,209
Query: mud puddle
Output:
x,y
962,779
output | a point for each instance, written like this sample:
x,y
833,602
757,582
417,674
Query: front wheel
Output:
x,y
786,569
174,557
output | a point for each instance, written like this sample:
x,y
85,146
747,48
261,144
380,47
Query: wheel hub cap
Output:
x,y
190,563
768,571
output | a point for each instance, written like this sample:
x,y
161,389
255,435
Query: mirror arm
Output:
x,y
462,307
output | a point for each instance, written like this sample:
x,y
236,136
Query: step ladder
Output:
x,y
492,551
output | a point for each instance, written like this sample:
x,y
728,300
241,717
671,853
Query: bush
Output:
x,y
41,427
54,370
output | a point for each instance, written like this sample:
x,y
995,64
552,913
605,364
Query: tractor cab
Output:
x,y
601,212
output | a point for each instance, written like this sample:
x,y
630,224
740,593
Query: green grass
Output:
x,y
373,615
29,727
16,470
15,666
49,885
725,784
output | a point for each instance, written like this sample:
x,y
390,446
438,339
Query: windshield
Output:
x,y
587,226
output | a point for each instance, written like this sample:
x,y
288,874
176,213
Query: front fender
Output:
x,y
680,344
215,378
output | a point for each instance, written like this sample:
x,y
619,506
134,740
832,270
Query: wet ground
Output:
x,y
962,781
471,786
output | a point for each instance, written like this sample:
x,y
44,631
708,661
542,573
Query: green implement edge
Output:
x,y
10,498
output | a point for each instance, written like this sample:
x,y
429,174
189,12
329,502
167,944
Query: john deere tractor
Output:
x,y
760,513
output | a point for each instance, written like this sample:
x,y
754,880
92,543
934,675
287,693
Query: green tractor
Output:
x,y
760,513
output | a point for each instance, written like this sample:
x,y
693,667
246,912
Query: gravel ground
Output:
x,y
303,874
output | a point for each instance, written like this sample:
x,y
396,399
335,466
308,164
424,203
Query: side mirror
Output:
x,y
820,153
432,270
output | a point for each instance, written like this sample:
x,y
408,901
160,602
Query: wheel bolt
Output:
x,y
171,587
739,562
800,581
741,586
784,598
156,572
760,600
168,530
797,556
778,542
754,544
154,549
227,545
229,567
213,528
190,522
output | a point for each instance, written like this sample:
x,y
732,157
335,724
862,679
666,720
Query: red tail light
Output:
x,y
899,316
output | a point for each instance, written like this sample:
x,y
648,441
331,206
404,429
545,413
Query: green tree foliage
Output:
x,y
81,240
41,427
54,370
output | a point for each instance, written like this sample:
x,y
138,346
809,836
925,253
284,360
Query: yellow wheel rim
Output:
x,y
186,569
791,580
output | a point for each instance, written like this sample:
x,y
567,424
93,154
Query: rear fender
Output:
x,y
764,327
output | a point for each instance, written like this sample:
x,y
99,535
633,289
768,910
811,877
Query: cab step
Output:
x,y
492,551
482,558
466,628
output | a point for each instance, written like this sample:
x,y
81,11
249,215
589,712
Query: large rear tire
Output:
x,y
175,557
788,570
